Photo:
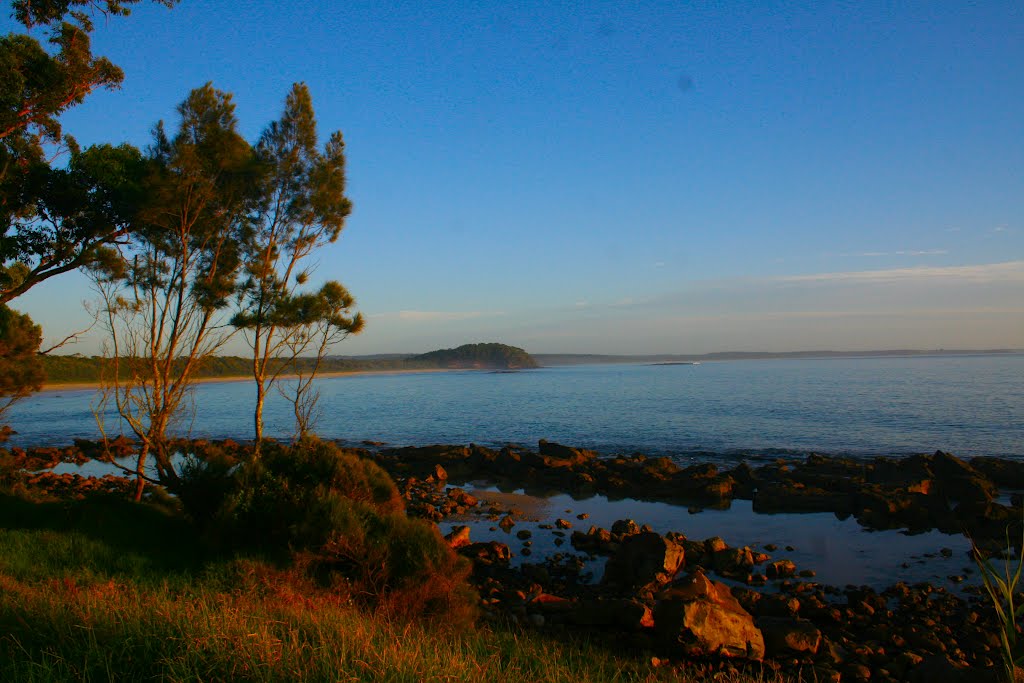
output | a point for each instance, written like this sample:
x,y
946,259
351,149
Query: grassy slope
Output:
x,y
109,590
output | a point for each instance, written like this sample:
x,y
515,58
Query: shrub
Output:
x,y
343,517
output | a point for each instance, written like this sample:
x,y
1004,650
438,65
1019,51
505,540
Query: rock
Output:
x,y
440,474
507,523
643,559
785,636
460,497
701,617
524,534
556,455
625,527
780,569
563,524
458,538
489,553
733,562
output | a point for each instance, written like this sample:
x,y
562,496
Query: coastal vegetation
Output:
x,y
67,369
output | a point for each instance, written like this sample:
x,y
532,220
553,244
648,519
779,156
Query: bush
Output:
x,y
343,516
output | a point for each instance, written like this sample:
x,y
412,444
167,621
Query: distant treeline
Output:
x,y
91,369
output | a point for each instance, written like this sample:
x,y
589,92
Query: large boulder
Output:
x,y
698,617
643,559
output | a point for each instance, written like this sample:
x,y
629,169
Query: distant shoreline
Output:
x,y
83,386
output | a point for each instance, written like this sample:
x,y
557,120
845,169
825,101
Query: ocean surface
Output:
x,y
719,411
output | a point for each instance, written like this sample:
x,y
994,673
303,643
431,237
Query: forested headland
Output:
x,y
491,356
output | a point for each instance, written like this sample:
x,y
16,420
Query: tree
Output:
x,y
21,369
302,208
36,240
163,300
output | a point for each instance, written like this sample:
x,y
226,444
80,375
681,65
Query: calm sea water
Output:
x,y
969,405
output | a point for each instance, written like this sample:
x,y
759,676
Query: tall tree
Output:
x,y
303,207
36,87
164,303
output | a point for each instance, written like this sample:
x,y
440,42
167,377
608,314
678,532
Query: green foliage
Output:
x,y
1002,588
295,496
480,356
53,220
21,371
301,207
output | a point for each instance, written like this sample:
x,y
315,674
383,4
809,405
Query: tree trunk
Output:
x,y
140,468
261,394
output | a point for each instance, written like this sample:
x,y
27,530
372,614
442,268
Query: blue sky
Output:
x,y
629,177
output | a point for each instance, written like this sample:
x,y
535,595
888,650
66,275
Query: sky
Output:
x,y
626,177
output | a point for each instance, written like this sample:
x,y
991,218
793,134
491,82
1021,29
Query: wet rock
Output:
x,y
700,617
506,523
733,562
643,559
524,534
780,569
563,524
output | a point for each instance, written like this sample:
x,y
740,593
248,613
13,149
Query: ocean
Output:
x,y
718,411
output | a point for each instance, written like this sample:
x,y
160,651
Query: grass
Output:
x,y
108,590
1002,588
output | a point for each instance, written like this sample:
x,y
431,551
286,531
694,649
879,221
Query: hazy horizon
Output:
x,y
626,179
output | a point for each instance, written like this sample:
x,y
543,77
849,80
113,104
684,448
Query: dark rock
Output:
x,y
630,615
644,559
786,636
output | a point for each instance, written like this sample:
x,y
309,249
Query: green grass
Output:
x,y
1002,587
107,590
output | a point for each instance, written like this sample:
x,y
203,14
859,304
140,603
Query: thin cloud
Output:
x,y
1010,271
904,252
437,316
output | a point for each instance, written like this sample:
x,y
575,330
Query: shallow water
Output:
x,y
840,551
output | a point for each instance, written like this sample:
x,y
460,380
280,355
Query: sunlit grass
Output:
x,y
84,601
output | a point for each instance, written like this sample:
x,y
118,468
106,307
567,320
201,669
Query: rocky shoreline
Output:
x,y
702,601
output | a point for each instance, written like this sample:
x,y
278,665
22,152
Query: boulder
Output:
x,y
643,559
698,617
786,637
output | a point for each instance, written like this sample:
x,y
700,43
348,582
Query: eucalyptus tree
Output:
x,y
41,234
165,298
302,208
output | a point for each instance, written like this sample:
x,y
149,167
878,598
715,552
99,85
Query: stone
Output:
x,y
489,553
700,617
785,636
439,473
780,569
458,538
506,523
625,527
643,559
563,524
